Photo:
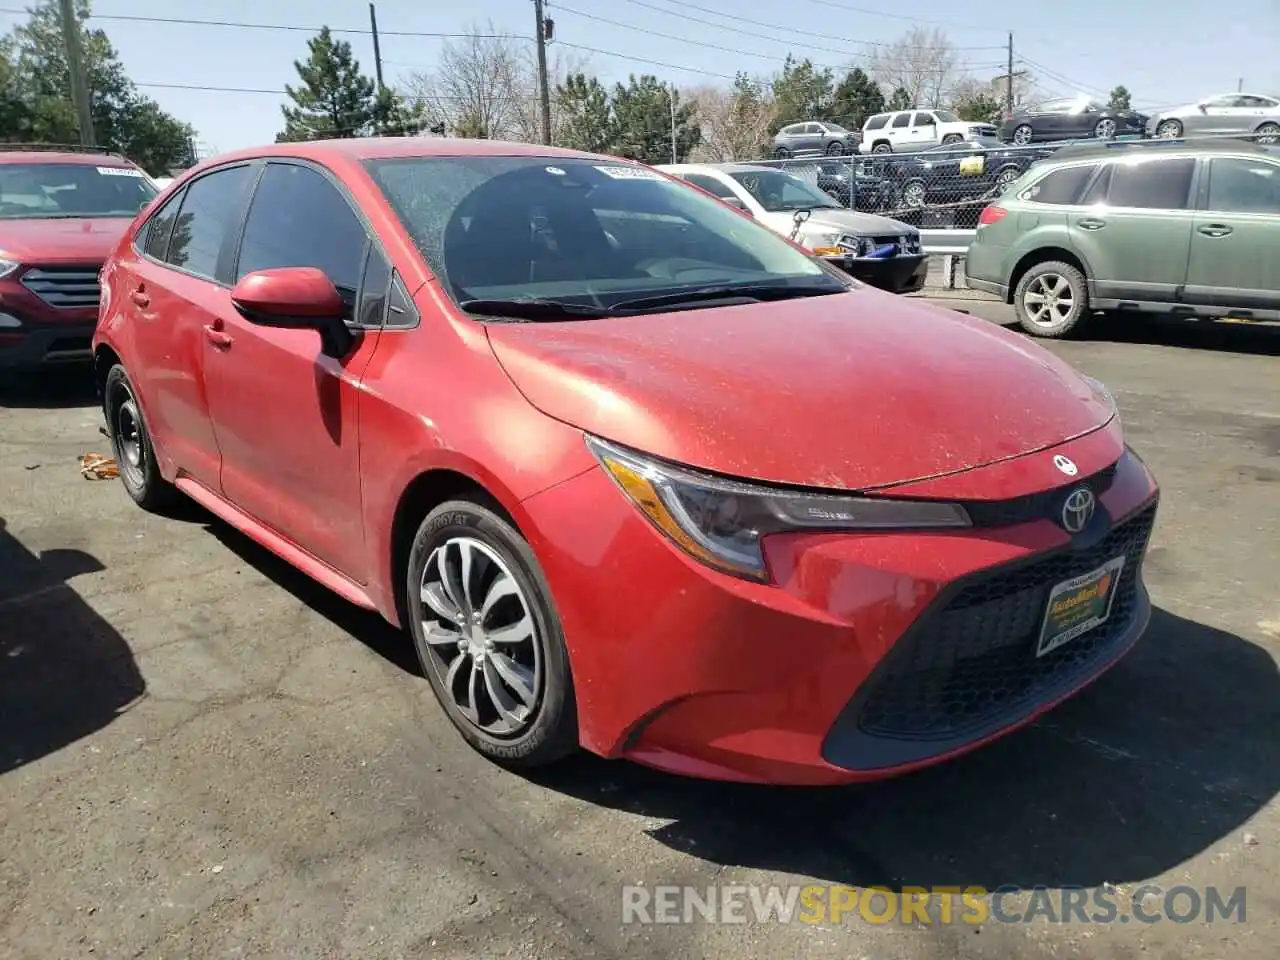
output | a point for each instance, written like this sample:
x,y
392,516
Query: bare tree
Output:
x,y
478,86
922,61
735,121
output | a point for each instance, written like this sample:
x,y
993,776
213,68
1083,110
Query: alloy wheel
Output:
x,y
1268,133
484,641
1169,130
1048,300
1022,135
1004,178
913,195
1106,128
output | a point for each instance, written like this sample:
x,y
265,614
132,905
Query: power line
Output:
x,y
901,16
769,26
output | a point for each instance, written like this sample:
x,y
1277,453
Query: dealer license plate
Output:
x,y
1078,605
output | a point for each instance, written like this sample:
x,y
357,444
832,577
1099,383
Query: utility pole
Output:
x,y
75,67
671,99
544,90
1008,80
1240,85
377,50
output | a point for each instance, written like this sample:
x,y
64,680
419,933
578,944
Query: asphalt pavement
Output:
x,y
203,754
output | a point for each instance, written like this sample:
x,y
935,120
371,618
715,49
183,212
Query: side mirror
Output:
x,y
1203,107
738,204
296,298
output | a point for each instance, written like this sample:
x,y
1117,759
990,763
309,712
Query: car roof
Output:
x,y
388,148
1192,147
59,156
714,167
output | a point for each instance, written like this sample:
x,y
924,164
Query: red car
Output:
x,y
636,473
61,214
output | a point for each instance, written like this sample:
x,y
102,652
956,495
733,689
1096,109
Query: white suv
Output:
x,y
906,130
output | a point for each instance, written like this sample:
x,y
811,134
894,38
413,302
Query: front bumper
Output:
x,y
900,274
40,347
867,656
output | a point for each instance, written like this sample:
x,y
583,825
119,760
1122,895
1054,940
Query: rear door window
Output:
x,y
1162,184
210,209
1061,186
1237,185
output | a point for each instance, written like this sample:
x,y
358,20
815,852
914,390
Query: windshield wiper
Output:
x,y
533,308
745,292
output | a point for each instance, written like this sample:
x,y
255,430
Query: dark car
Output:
x,y
1069,119
976,170
815,137
869,192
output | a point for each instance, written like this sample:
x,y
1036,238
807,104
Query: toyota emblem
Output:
x,y
1066,465
1077,510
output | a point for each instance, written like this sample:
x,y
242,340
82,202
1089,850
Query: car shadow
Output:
x,y
64,671
1166,755
365,625
1245,338
58,388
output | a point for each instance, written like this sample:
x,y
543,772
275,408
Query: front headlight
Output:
x,y
722,522
7,267
825,243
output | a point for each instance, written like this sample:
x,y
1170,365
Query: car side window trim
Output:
x,y
372,242
141,236
180,196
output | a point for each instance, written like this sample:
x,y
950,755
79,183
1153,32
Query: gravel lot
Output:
x,y
202,754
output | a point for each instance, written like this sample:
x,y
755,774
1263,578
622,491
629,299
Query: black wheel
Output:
x,y
951,138
488,636
782,153
835,149
882,147
1051,299
131,444
1268,133
1022,134
1169,129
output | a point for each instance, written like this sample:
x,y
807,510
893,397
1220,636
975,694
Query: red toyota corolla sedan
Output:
x,y
636,474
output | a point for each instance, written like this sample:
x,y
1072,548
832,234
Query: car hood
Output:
x,y
45,241
828,219
850,391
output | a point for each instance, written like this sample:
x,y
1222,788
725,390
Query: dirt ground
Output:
x,y
202,754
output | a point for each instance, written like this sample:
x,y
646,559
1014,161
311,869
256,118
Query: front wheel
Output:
x,y
1022,134
781,153
1268,133
131,444
1105,129
835,149
488,637
1169,129
1051,299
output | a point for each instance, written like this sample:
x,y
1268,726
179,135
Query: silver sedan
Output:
x,y
1227,114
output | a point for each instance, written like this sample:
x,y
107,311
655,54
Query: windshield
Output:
x,y
41,191
946,116
780,192
579,231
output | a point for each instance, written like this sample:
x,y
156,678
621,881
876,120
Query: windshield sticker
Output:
x,y
631,173
555,171
119,172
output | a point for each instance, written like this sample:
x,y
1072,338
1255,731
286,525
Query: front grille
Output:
x,y
1036,506
972,661
66,288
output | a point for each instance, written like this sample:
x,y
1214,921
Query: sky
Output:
x,y
1165,53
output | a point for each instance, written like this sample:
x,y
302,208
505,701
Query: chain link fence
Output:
x,y
934,188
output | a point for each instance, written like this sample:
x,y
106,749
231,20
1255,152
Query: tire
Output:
x,y
835,149
1039,281
1022,134
782,153
1268,133
131,444
1105,129
527,722
914,194
951,138
882,146
1169,129
1006,177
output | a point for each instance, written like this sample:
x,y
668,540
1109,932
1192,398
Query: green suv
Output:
x,y
1180,227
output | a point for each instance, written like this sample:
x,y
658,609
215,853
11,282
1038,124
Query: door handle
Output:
x,y
217,337
1090,224
140,297
1215,229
